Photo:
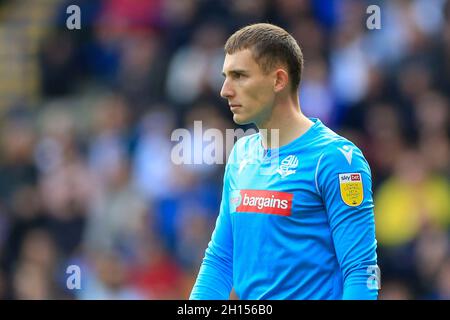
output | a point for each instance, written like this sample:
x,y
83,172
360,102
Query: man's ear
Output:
x,y
281,79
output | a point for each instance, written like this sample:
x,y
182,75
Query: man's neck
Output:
x,y
286,124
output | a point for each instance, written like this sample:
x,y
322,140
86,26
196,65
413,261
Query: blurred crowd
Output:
x,y
86,176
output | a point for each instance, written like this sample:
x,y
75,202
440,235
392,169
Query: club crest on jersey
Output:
x,y
351,188
288,166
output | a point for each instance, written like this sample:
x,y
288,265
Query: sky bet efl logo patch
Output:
x,y
262,201
351,188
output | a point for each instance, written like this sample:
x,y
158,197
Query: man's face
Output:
x,y
250,92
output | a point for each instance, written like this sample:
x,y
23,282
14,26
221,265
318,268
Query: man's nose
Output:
x,y
226,91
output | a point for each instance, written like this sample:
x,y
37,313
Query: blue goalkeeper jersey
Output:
x,y
295,222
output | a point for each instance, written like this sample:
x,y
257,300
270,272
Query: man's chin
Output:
x,y
238,119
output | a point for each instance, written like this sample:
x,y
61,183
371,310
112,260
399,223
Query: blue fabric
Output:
x,y
314,246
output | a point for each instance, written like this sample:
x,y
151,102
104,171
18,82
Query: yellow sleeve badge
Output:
x,y
351,188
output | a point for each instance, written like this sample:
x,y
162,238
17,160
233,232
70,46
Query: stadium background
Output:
x,y
86,116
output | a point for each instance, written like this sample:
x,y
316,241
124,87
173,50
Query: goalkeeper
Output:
x,y
296,218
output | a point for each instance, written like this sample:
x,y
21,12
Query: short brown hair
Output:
x,y
270,45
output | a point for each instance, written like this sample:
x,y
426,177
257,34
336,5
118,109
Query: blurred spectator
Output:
x,y
39,248
16,162
153,173
59,65
140,75
316,97
109,144
65,185
432,114
181,18
128,16
195,70
349,64
108,280
247,12
289,11
155,273
386,142
432,249
33,282
409,200
116,215
194,228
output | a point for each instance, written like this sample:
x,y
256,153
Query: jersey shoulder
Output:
x,y
341,154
